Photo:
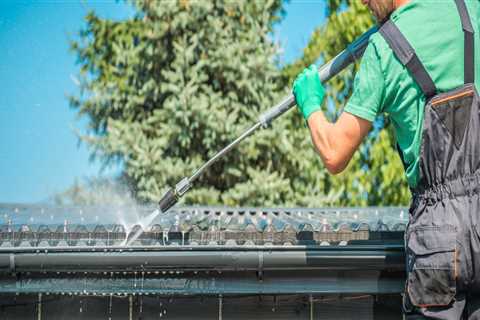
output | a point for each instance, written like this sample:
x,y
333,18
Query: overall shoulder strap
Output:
x,y
469,41
408,57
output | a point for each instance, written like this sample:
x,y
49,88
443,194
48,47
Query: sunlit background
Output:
x,y
39,150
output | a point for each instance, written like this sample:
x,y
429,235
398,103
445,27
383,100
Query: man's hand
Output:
x,y
309,92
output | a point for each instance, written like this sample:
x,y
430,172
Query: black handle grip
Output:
x,y
168,200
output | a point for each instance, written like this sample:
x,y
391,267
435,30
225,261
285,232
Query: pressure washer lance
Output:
x,y
352,53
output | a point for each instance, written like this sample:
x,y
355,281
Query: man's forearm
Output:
x,y
322,133
336,142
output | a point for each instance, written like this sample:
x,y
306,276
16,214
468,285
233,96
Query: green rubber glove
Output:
x,y
309,91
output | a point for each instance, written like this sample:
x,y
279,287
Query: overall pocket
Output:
x,y
431,265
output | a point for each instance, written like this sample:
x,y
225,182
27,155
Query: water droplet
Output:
x,y
110,307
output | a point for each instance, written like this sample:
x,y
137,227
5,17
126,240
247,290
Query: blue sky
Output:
x,y
39,151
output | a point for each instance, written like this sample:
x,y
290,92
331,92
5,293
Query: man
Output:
x,y
420,70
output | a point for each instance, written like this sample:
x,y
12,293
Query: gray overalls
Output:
x,y
443,235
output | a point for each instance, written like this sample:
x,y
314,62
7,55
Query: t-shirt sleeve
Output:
x,y
368,88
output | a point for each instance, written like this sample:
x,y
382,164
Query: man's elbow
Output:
x,y
335,166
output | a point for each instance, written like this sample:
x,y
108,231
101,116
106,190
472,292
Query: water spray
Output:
x,y
351,54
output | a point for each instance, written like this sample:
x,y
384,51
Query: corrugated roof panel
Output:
x,y
34,225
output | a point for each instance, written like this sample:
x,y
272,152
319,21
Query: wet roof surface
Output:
x,y
36,225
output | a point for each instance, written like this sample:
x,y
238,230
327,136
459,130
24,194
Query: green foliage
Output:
x,y
375,174
166,90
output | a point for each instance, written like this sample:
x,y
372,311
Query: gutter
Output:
x,y
200,258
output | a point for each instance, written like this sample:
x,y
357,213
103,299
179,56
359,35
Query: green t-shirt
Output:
x,y
383,85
